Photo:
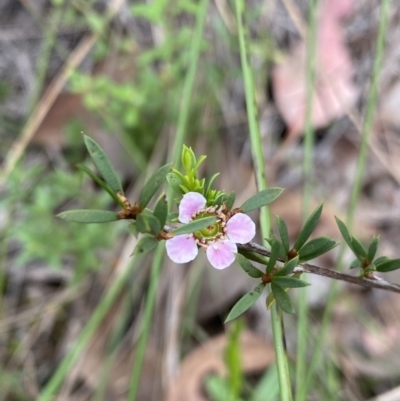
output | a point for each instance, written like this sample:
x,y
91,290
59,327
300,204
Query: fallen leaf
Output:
x,y
334,91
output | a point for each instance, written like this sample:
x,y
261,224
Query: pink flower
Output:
x,y
218,240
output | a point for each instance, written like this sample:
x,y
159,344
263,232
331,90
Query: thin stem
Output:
x,y
283,368
259,164
252,113
375,282
302,326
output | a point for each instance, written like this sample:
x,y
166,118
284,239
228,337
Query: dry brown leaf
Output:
x,y
334,91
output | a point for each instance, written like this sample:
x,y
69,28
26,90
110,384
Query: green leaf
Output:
x,y
261,199
89,216
271,299
276,251
315,248
230,200
248,267
290,282
255,257
282,298
175,182
103,164
212,179
288,267
245,302
308,228
355,263
381,259
220,198
101,183
146,244
161,210
370,268
194,226
388,265
152,185
173,216
284,234
147,223
345,233
373,247
132,228
358,248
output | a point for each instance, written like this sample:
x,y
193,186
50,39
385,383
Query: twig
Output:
x,y
375,282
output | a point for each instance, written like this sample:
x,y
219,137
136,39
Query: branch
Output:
x,y
375,282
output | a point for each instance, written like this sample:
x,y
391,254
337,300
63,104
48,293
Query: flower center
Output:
x,y
212,231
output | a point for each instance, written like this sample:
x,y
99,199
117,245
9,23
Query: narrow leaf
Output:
x,y
147,223
89,216
381,259
282,298
288,267
388,265
153,184
230,200
195,225
373,247
245,302
248,267
284,234
261,199
255,257
132,228
210,182
358,248
173,216
345,233
161,210
146,244
290,282
316,247
101,183
276,251
308,228
355,263
175,182
103,164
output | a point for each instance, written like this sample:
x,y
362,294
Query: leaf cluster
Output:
x,y
365,256
144,221
282,261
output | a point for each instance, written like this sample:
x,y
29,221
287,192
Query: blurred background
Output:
x,y
114,70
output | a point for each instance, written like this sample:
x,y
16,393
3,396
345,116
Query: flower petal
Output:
x,y
191,203
240,228
182,248
221,253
